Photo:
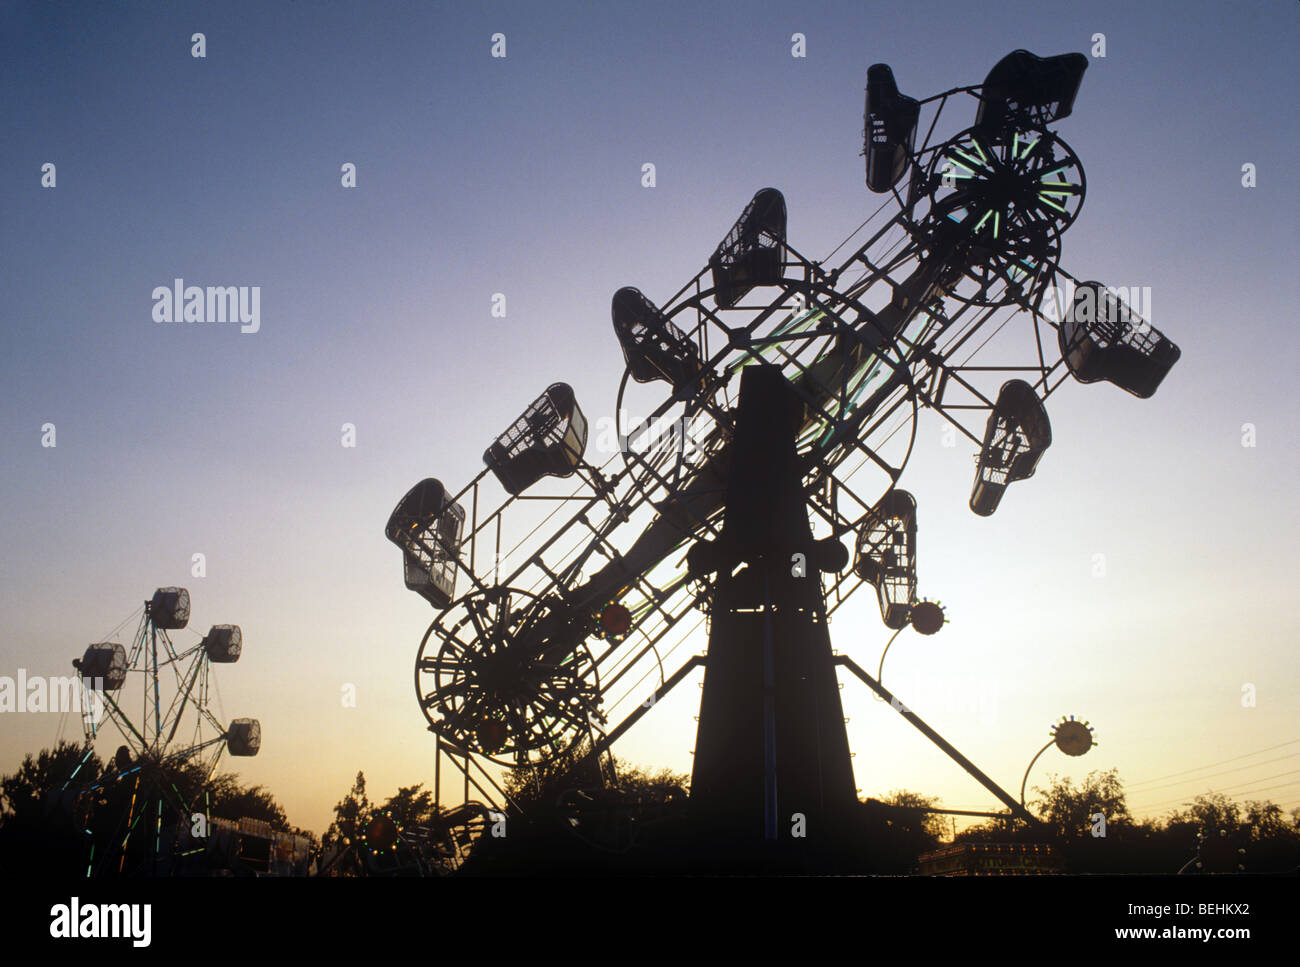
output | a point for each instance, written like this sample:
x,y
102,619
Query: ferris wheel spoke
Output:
x,y
1046,203
545,724
564,712
452,714
459,687
457,647
519,722
485,637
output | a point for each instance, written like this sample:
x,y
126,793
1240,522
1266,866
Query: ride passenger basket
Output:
x,y
653,347
753,250
427,525
548,440
1024,90
1102,338
889,129
886,556
169,608
1015,437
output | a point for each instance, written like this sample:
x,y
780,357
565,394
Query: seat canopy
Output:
x,y
889,129
244,737
427,526
1103,339
103,666
547,440
224,644
1024,90
753,251
1015,437
654,348
886,556
170,608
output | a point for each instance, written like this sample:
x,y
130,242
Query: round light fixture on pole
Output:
x,y
927,617
1071,736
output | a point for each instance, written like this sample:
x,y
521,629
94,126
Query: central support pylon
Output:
x,y
772,754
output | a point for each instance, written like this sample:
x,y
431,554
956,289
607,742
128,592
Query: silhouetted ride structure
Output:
x,y
781,398
174,729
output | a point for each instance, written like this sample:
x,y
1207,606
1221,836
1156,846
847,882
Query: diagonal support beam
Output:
x,y
696,661
974,770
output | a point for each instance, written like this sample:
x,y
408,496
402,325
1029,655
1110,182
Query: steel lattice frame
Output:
x,y
163,738
970,247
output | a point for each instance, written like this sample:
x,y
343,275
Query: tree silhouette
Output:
x,y
539,788
928,829
410,806
42,824
1210,810
1069,812
342,847
338,844
59,811
29,792
253,802
1267,822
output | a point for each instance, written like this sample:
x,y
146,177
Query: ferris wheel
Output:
x,y
766,413
153,696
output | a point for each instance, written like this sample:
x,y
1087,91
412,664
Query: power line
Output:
x,y
1211,765
1248,782
1229,789
1280,785
109,637
1253,765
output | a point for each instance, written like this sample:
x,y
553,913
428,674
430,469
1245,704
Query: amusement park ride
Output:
x,y
782,397
175,732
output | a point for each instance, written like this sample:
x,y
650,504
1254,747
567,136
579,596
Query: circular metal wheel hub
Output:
x,y
1003,203
495,676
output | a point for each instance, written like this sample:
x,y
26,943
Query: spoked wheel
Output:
x,y
502,673
1005,202
1019,272
677,455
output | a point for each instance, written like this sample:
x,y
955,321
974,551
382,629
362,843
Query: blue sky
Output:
x,y
522,175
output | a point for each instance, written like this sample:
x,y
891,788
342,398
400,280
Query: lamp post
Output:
x,y
927,617
1072,737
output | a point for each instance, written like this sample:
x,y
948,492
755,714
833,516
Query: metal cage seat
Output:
x,y
753,251
169,608
889,129
427,526
1102,338
103,666
547,440
886,556
244,737
224,644
653,347
1016,435
1023,89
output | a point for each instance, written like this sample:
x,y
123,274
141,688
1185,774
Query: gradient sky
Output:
x,y
522,175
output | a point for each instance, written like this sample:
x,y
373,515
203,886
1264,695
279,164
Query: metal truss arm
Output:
x,y
617,733
1016,808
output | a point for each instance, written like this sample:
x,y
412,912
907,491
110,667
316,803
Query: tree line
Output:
x,y
599,807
